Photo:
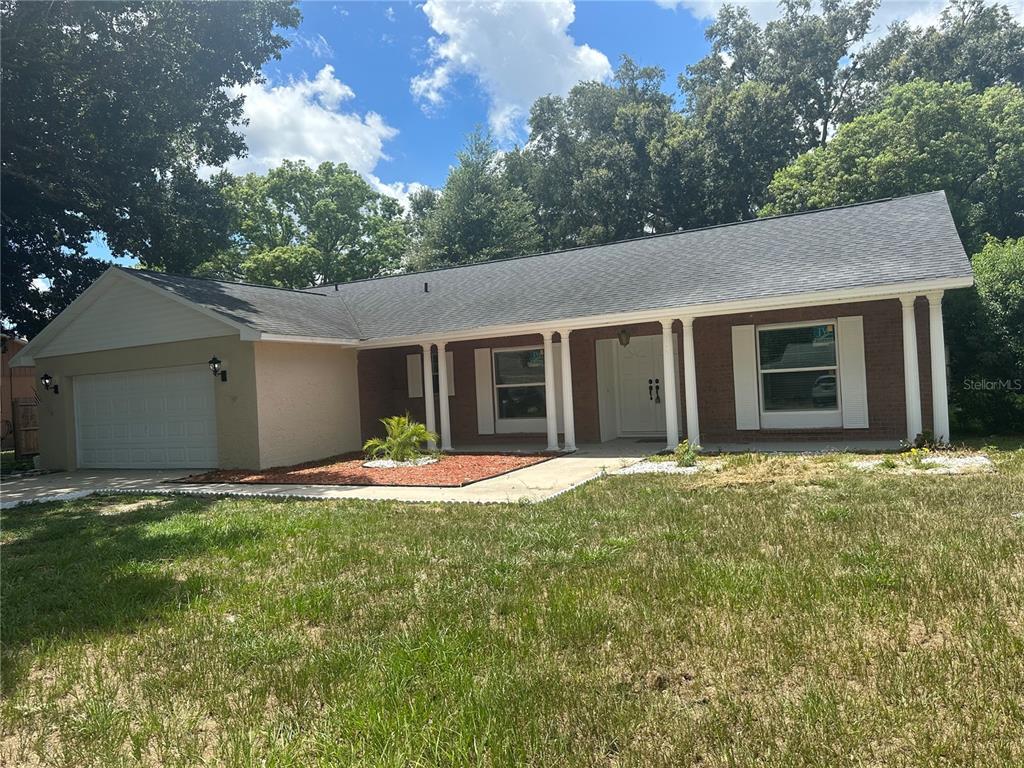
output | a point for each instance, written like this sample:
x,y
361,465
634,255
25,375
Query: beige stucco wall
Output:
x,y
236,401
308,402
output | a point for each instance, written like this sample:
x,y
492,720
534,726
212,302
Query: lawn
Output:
x,y
783,611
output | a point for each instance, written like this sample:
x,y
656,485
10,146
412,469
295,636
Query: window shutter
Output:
x,y
484,391
414,374
853,386
450,357
744,375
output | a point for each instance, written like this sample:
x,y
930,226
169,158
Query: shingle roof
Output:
x,y
270,310
880,243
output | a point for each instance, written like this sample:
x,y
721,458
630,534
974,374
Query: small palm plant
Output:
x,y
403,442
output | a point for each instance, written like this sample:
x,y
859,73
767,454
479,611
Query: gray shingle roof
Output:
x,y
880,243
270,310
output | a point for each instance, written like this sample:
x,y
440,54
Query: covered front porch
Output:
x,y
855,374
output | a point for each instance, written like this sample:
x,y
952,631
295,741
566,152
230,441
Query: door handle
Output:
x,y
650,388
657,391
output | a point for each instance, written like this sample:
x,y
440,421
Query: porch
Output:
x,y
854,374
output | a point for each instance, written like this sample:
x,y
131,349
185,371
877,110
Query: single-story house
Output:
x,y
821,327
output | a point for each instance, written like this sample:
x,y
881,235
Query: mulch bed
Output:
x,y
450,471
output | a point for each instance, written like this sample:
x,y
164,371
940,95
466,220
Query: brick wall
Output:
x,y
384,391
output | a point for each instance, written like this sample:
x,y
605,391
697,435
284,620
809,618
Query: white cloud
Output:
x,y
517,51
303,119
389,13
316,45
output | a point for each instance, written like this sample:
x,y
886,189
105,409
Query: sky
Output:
x,y
393,88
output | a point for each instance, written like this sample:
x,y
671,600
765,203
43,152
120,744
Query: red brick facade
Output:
x,y
383,389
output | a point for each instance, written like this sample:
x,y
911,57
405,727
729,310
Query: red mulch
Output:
x,y
449,471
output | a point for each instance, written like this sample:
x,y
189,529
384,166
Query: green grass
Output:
x,y
779,611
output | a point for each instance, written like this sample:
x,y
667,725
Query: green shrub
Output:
x,y
403,442
686,454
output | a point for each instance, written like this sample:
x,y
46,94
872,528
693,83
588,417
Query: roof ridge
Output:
x,y
624,240
304,291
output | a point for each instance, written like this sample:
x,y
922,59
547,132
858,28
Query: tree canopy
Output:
x,y
297,226
109,110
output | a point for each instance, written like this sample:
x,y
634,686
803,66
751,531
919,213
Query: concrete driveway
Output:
x,y
535,483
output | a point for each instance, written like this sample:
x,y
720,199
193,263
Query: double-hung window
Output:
x,y
519,390
798,372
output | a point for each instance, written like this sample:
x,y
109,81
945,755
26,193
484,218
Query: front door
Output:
x,y
641,387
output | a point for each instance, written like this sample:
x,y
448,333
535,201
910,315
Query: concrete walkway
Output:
x,y
532,484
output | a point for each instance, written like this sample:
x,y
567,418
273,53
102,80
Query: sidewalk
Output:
x,y
531,484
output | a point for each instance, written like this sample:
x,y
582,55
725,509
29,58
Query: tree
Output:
x,y
975,43
109,109
588,167
999,276
479,215
806,58
927,136
297,226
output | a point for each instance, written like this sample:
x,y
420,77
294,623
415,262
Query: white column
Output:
x,y
690,383
549,392
428,393
671,387
937,354
442,396
911,375
568,419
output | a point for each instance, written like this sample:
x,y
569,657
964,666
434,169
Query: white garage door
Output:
x,y
152,419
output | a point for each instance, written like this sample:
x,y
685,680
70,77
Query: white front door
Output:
x,y
151,419
641,387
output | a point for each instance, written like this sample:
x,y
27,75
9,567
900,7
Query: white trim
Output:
x,y
690,384
428,393
444,392
550,415
937,355
911,371
260,336
670,365
742,306
803,419
568,417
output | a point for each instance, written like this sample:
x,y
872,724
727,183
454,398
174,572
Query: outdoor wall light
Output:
x,y
48,384
624,337
215,368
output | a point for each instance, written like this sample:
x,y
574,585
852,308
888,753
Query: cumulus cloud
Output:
x,y
304,119
516,51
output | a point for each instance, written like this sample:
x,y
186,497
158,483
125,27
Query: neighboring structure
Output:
x,y
16,384
823,326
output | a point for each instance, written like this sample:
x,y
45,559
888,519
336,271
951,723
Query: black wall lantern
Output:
x,y
47,381
215,368
624,337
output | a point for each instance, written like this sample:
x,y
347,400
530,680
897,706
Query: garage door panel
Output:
x,y
158,418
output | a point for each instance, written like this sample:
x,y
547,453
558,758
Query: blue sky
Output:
x,y
393,88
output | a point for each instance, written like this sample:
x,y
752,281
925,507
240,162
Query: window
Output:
x,y
798,372
519,388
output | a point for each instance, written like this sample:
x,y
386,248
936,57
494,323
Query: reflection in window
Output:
x,y
519,383
798,368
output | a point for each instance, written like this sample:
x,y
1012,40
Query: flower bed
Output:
x,y
450,471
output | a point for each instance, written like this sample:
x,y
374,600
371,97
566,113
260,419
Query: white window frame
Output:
x,y
810,419
515,425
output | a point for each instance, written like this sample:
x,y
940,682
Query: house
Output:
x,y
822,327
15,384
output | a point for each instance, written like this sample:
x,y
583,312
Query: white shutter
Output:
x,y
484,391
853,386
414,374
450,357
744,374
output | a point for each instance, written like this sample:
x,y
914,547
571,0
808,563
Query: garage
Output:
x,y
158,418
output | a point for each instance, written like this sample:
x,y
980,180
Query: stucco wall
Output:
x,y
308,402
383,389
237,422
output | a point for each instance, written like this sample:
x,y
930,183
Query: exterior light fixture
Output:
x,y
47,381
216,370
624,337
